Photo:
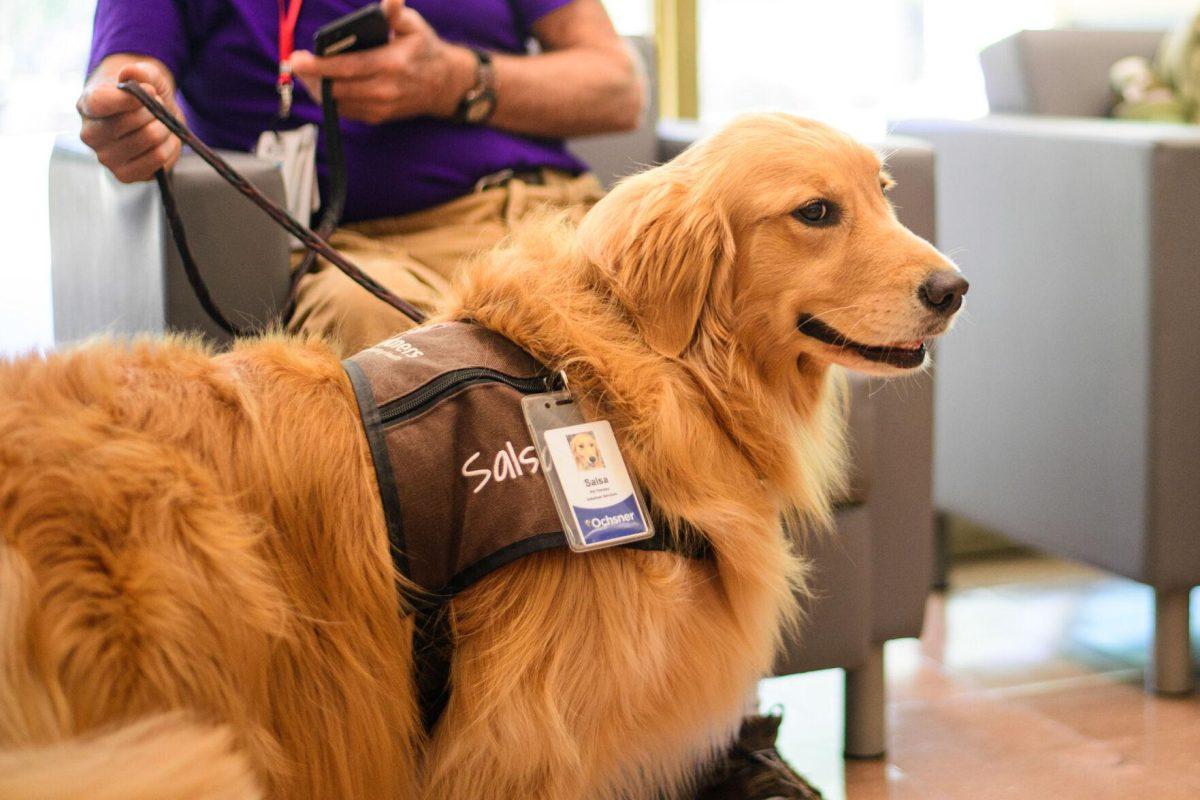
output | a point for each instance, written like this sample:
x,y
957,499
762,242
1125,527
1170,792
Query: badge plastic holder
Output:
x,y
599,502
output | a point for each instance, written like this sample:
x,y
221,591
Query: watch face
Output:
x,y
480,107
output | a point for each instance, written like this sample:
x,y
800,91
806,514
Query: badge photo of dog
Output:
x,y
197,598
585,451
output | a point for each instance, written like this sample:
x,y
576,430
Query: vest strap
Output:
x,y
385,479
433,641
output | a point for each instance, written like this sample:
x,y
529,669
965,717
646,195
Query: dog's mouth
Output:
x,y
905,355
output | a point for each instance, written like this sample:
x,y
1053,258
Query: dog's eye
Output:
x,y
816,213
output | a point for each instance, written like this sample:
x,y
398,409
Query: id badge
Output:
x,y
295,151
599,502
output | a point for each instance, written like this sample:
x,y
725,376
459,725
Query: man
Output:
x,y
452,132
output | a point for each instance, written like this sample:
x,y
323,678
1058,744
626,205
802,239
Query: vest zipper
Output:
x,y
418,400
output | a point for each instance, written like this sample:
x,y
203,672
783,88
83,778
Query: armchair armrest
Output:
x,y
677,135
114,267
871,580
1095,130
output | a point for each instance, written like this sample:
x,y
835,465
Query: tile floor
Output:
x,y
1026,684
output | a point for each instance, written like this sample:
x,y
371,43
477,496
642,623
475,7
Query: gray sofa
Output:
x,y
114,268
1067,410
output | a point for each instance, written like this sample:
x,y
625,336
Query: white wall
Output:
x,y
1125,13
631,17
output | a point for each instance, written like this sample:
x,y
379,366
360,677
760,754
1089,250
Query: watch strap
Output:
x,y
480,98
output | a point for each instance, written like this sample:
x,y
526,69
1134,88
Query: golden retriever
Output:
x,y
196,594
585,451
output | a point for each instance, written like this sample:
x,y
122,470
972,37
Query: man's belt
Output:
x,y
497,180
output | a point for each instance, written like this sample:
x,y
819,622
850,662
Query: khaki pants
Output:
x,y
417,256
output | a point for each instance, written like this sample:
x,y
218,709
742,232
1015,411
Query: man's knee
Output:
x,y
336,293
332,305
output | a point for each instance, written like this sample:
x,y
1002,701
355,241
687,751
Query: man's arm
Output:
x,y
126,137
585,81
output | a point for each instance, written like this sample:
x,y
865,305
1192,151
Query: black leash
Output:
x,y
315,242
336,158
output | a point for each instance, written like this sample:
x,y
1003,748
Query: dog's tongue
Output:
x,y
915,344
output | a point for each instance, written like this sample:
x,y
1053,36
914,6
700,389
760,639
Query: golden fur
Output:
x,y
196,594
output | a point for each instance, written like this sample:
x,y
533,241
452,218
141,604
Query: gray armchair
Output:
x,y
1068,416
114,268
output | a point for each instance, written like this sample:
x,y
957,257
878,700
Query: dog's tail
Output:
x,y
159,758
164,757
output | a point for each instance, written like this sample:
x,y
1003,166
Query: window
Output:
x,y
859,63
631,17
43,50
854,63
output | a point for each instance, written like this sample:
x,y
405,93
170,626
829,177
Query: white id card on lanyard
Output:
x,y
295,152
598,501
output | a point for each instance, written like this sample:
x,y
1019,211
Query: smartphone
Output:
x,y
359,30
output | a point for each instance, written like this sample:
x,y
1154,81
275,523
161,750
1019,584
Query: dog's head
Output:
x,y
585,450
776,234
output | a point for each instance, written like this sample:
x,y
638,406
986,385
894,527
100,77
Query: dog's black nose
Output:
x,y
944,291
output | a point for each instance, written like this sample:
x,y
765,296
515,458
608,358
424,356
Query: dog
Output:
x,y
585,452
196,594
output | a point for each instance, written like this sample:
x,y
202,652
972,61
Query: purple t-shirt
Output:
x,y
225,56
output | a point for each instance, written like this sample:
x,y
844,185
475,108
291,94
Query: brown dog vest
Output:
x,y
459,478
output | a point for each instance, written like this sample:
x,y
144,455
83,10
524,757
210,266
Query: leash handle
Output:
x,y
306,236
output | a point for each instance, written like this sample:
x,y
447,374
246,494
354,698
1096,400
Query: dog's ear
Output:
x,y
666,253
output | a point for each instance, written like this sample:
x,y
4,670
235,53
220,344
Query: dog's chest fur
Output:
x,y
639,664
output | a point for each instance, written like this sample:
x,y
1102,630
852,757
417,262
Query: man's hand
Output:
x,y
126,137
414,74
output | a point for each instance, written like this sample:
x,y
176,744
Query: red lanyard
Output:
x,y
287,44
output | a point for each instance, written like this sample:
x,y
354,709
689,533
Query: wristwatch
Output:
x,y
479,102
